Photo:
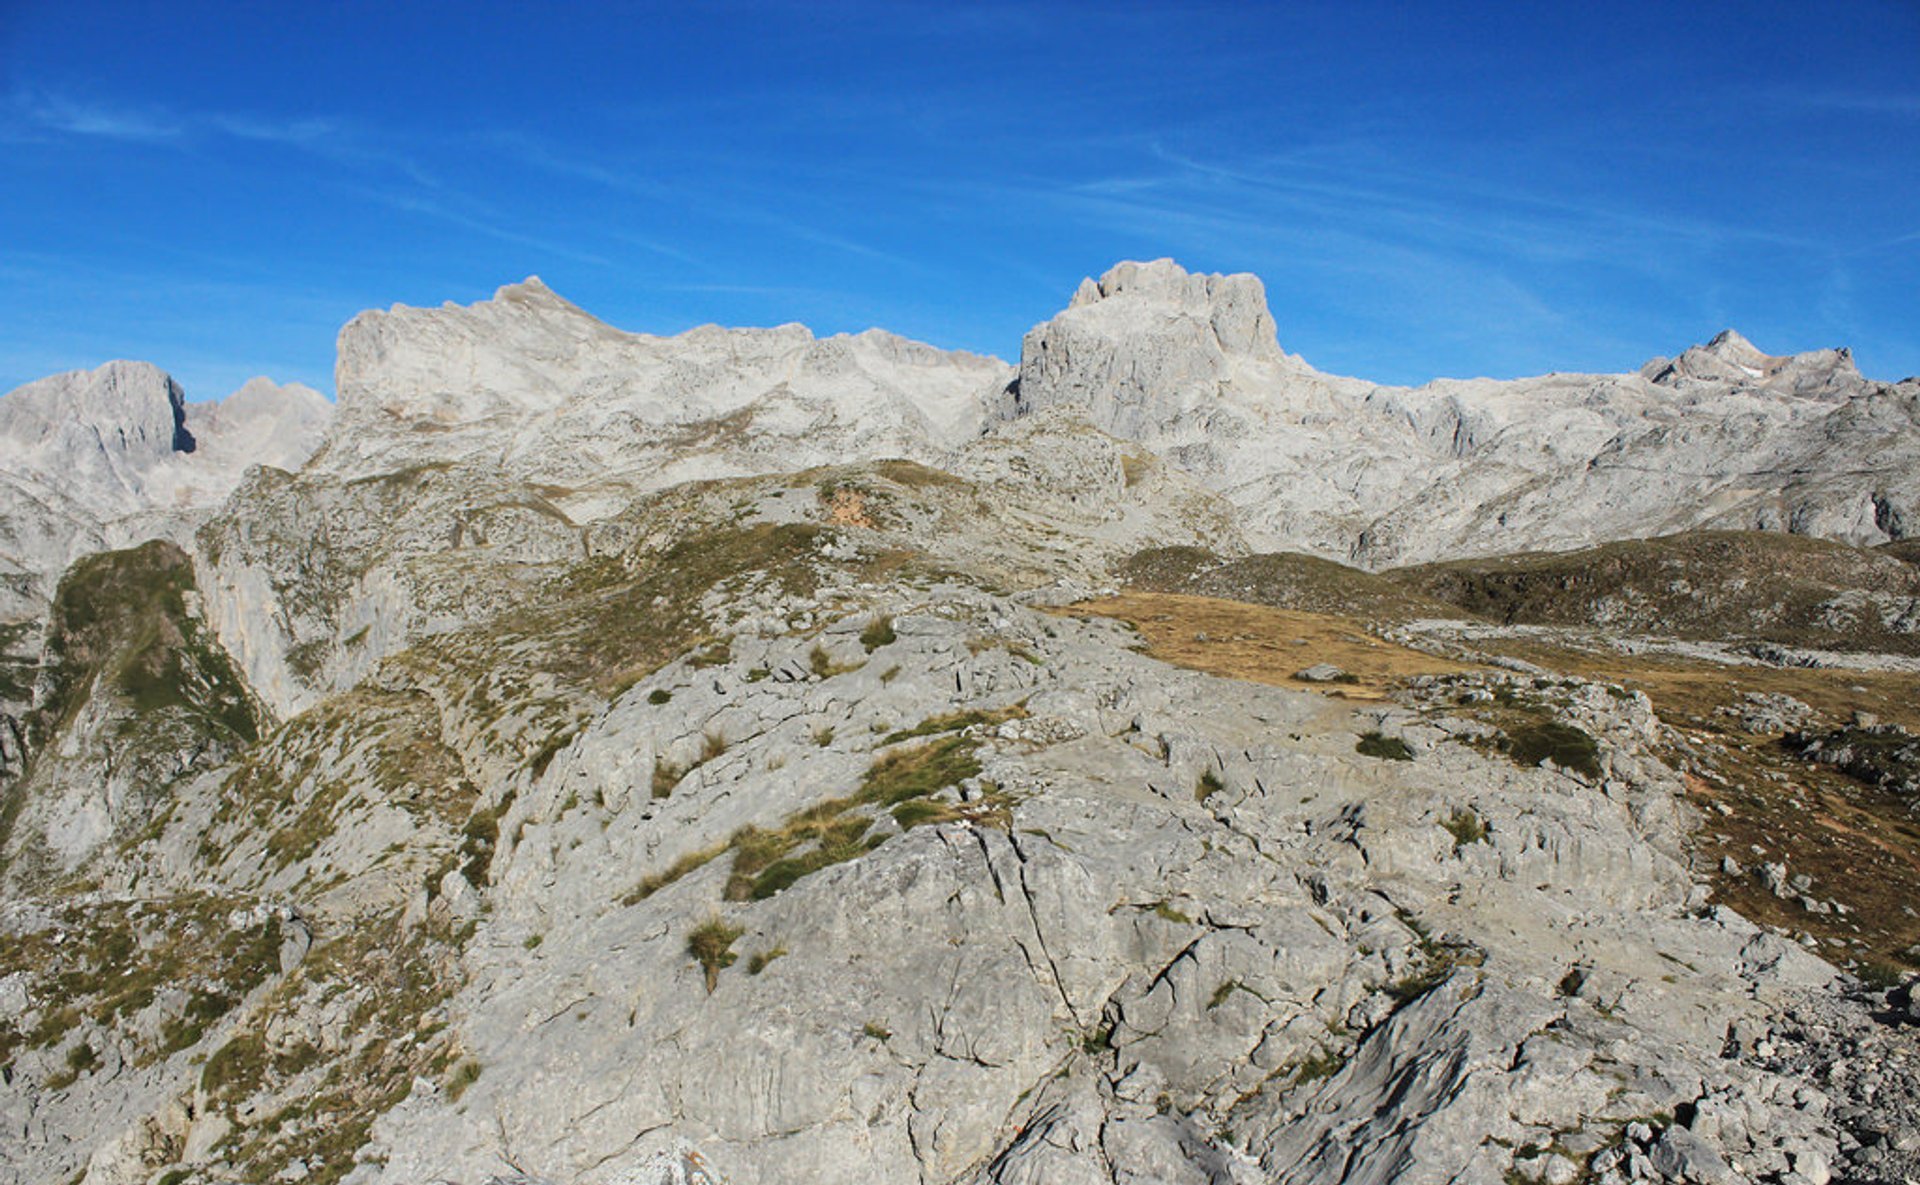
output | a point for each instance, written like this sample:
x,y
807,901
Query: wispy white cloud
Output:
x,y
30,111
295,131
718,195
41,114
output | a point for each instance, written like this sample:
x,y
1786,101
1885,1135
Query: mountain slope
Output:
x,y
1715,586
620,759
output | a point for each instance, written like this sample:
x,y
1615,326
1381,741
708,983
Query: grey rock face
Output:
x,y
588,403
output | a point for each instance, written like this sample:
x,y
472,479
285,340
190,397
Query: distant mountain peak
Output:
x,y
1730,358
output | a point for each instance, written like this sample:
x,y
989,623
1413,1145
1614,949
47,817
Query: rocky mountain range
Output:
x,y
587,756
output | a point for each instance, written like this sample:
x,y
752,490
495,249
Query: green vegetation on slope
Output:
x,y
120,631
123,615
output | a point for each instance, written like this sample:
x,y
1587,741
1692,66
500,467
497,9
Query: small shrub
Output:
x,y
713,654
890,674
711,945
823,736
80,1059
1379,744
185,1030
549,749
879,632
477,840
533,941
1208,785
1223,993
1562,744
955,722
1164,910
1323,1063
658,696
1879,976
234,1066
712,744
876,1032
1466,827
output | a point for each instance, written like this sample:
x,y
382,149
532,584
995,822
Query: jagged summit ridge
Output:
x,y
1153,350
530,381
104,427
1234,306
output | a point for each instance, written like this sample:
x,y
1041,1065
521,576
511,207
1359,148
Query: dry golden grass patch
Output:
x,y
1266,645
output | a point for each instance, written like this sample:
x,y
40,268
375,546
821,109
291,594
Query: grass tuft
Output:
x,y
879,632
711,945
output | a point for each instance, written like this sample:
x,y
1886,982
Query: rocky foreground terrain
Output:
x,y
582,756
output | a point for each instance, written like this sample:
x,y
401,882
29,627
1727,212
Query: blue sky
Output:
x,y
1427,189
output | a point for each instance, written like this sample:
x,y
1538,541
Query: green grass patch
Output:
x,y
691,862
666,775
1466,827
463,1076
759,961
821,663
